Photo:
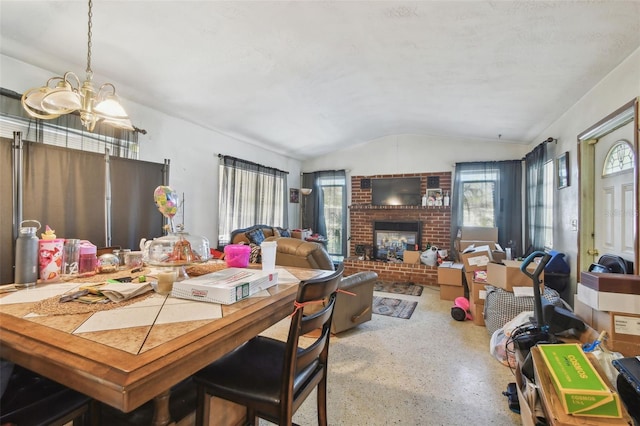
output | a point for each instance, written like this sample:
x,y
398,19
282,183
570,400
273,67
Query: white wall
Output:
x,y
414,154
192,151
616,89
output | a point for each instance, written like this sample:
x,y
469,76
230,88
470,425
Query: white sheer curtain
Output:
x,y
250,194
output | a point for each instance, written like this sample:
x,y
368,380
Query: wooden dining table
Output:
x,y
129,355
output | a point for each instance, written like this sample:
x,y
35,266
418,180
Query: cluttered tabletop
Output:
x,y
82,308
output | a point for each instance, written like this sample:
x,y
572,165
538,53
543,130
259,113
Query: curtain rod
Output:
x,y
250,162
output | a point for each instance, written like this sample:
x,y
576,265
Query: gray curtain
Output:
x,y
507,198
314,208
535,222
6,213
65,189
134,213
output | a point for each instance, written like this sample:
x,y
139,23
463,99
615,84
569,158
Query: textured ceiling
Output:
x,y
309,77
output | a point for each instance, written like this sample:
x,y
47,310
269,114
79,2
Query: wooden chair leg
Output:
x,y
251,417
322,402
200,406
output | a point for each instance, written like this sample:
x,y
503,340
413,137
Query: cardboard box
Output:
x,y
465,244
450,292
478,293
578,385
476,236
625,340
508,275
411,257
450,274
611,283
526,401
498,255
552,405
625,327
478,259
478,233
477,312
226,286
611,302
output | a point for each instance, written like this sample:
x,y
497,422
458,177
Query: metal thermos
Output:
x,y
26,271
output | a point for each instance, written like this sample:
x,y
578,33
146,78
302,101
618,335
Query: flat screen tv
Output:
x,y
396,192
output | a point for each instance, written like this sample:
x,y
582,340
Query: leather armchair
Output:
x,y
349,310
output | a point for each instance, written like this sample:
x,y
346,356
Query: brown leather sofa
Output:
x,y
349,310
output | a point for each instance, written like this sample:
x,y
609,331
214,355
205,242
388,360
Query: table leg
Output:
x,y
161,415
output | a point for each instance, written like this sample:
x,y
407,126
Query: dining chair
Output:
x,y
272,378
30,399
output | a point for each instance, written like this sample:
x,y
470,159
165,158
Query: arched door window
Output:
x,y
619,158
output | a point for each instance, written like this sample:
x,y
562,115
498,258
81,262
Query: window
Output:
x,y
478,202
489,194
540,179
334,201
250,194
325,209
619,158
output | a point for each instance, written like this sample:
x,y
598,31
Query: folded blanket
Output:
x,y
117,292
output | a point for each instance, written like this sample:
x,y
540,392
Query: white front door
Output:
x,y
614,207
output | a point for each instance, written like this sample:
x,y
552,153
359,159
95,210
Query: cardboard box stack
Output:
x,y
477,248
450,280
611,303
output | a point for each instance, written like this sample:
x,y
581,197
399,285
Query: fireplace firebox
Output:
x,y
391,239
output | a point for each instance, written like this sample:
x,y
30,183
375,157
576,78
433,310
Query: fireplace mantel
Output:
x,y
372,207
435,220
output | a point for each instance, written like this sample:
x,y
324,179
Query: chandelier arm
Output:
x,y
75,77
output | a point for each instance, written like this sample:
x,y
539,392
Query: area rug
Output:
x,y
398,288
396,308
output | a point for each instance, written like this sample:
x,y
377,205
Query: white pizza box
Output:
x,y
226,286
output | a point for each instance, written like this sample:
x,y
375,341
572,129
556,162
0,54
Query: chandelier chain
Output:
x,y
89,33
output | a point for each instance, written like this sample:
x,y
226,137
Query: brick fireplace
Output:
x,y
435,227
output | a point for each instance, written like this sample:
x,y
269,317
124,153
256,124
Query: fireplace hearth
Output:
x,y
392,238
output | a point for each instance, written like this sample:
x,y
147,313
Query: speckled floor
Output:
x,y
428,370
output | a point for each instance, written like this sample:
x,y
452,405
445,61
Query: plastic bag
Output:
x,y
430,256
500,345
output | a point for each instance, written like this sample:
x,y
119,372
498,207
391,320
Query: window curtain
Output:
x,y
6,213
134,212
534,221
314,208
65,189
250,194
507,199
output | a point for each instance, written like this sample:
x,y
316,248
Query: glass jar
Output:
x,y
178,248
88,259
108,263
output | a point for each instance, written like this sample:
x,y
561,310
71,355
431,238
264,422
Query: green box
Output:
x,y
579,386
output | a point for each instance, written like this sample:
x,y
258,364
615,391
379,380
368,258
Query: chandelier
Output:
x,y
64,95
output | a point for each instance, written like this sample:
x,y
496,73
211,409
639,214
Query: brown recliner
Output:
x,y
349,310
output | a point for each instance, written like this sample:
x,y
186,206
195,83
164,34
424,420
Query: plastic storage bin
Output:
x,y
557,264
237,255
